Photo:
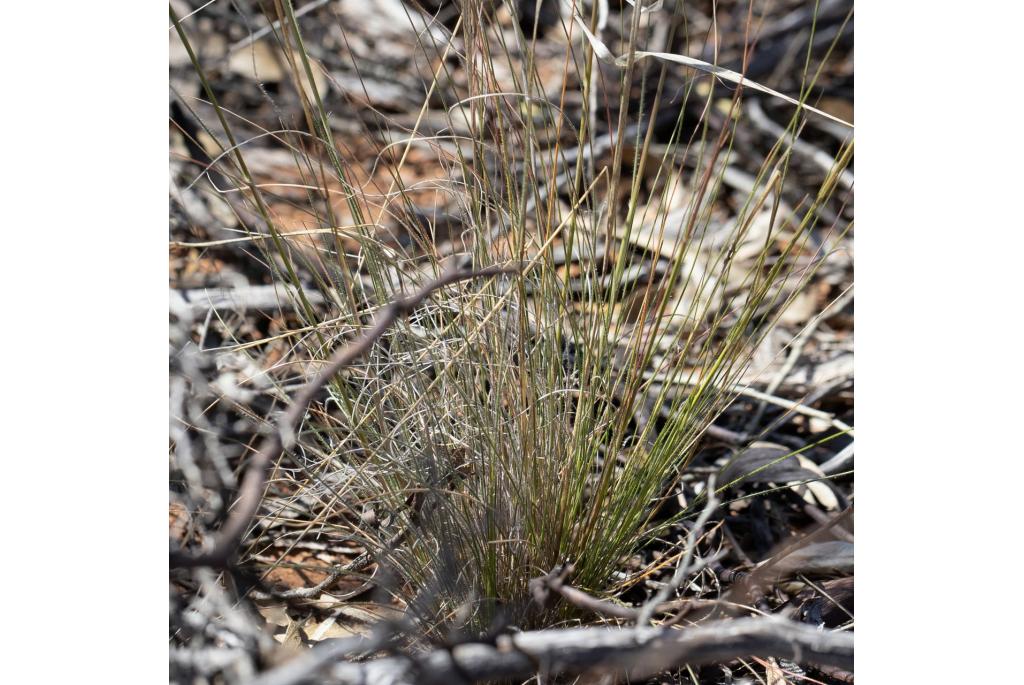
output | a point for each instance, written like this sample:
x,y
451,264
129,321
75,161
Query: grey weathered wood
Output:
x,y
621,652
259,297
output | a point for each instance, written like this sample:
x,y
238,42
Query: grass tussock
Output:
x,y
513,423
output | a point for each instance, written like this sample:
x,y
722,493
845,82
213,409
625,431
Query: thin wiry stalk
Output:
x,y
499,426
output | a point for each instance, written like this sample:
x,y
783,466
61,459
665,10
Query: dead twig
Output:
x,y
838,462
683,570
817,156
273,27
796,407
541,587
336,572
616,652
250,493
258,297
555,582
796,350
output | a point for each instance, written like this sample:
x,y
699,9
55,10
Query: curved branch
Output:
x,y
250,493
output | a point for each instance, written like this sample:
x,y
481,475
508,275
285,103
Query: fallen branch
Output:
x,y
617,652
258,297
542,586
250,493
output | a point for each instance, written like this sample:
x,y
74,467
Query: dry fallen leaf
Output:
x,y
774,675
267,64
767,462
274,614
293,636
259,62
330,628
817,492
834,556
